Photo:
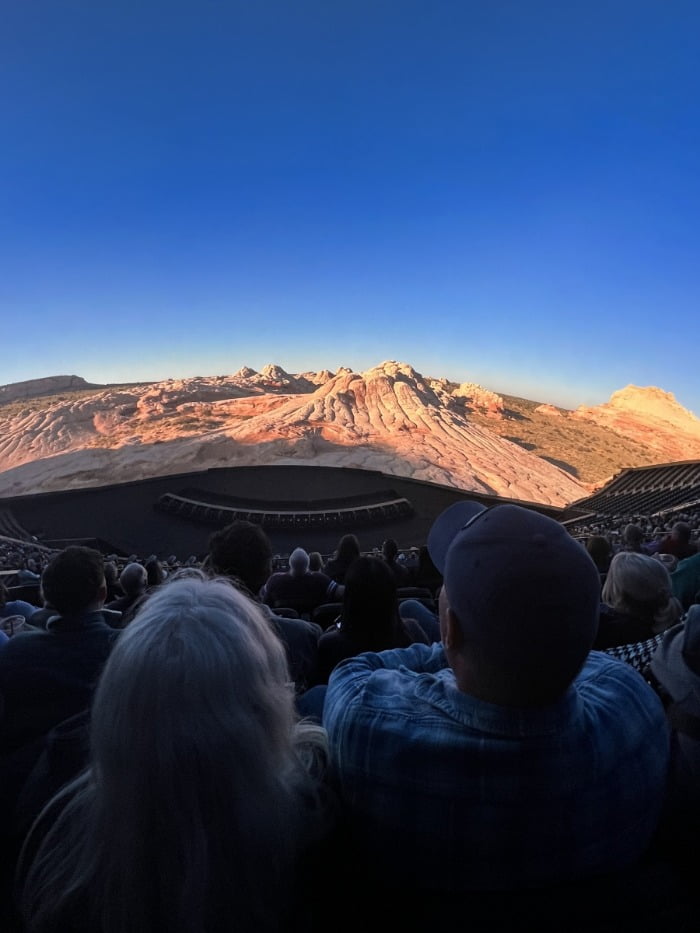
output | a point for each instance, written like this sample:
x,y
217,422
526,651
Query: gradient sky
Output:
x,y
499,192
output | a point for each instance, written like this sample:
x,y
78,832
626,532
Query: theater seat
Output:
x,y
326,614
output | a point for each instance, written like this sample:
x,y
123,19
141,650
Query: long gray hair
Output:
x,y
193,809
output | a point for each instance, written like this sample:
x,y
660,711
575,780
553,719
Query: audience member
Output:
x,y
369,620
114,590
637,601
390,551
47,676
299,588
633,539
499,759
348,551
427,574
242,552
685,581
154,571
678,542
315,562
676,671
201,802
41,618
601,553
133,581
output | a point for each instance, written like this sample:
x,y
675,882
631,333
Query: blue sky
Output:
x,y
499,192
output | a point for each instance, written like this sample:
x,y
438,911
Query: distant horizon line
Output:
x,y
334,372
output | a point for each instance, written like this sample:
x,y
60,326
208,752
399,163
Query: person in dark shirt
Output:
x,y
370,618
390,552
133,581
299,588
678,542
348,551
242,552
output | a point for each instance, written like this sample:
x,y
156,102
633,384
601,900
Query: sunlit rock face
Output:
x,y
549,410
479,397
389,418
650,416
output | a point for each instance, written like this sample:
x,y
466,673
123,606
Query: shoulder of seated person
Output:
x,y
312,628
111,616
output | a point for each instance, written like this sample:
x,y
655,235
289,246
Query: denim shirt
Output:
x,y
449,792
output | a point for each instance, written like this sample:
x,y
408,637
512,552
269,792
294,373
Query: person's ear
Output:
x,y
452,637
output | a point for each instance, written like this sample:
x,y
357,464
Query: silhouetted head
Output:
x,y
370,607
520,602
632,538
134,579
111,573
315,561
154,571
242,551
681,531
74,581
601,552
348,548
390,549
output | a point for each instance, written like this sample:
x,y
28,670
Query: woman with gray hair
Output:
x,y
202,797
637,601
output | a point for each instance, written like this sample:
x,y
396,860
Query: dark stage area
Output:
x,y
125,518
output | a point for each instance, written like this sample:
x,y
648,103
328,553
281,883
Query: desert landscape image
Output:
x,y
59,433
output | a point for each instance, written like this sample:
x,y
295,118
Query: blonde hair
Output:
x,y
638,585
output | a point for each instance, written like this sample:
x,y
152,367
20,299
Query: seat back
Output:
x,y
326,614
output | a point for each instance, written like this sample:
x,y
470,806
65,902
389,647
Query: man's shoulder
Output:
x,y
31,644
687,564
277,577
608,683
320,575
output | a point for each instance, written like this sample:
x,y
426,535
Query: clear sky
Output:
x,y
503,191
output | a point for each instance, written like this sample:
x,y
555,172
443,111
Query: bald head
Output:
x,y
298,562
134,579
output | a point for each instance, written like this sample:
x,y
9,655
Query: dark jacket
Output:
x,y
300,639
47,676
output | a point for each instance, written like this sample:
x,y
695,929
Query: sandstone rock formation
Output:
x,y
650,416
389,418
479,397
47,386
546,409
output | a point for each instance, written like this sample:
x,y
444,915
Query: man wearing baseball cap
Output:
x,y
509,755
